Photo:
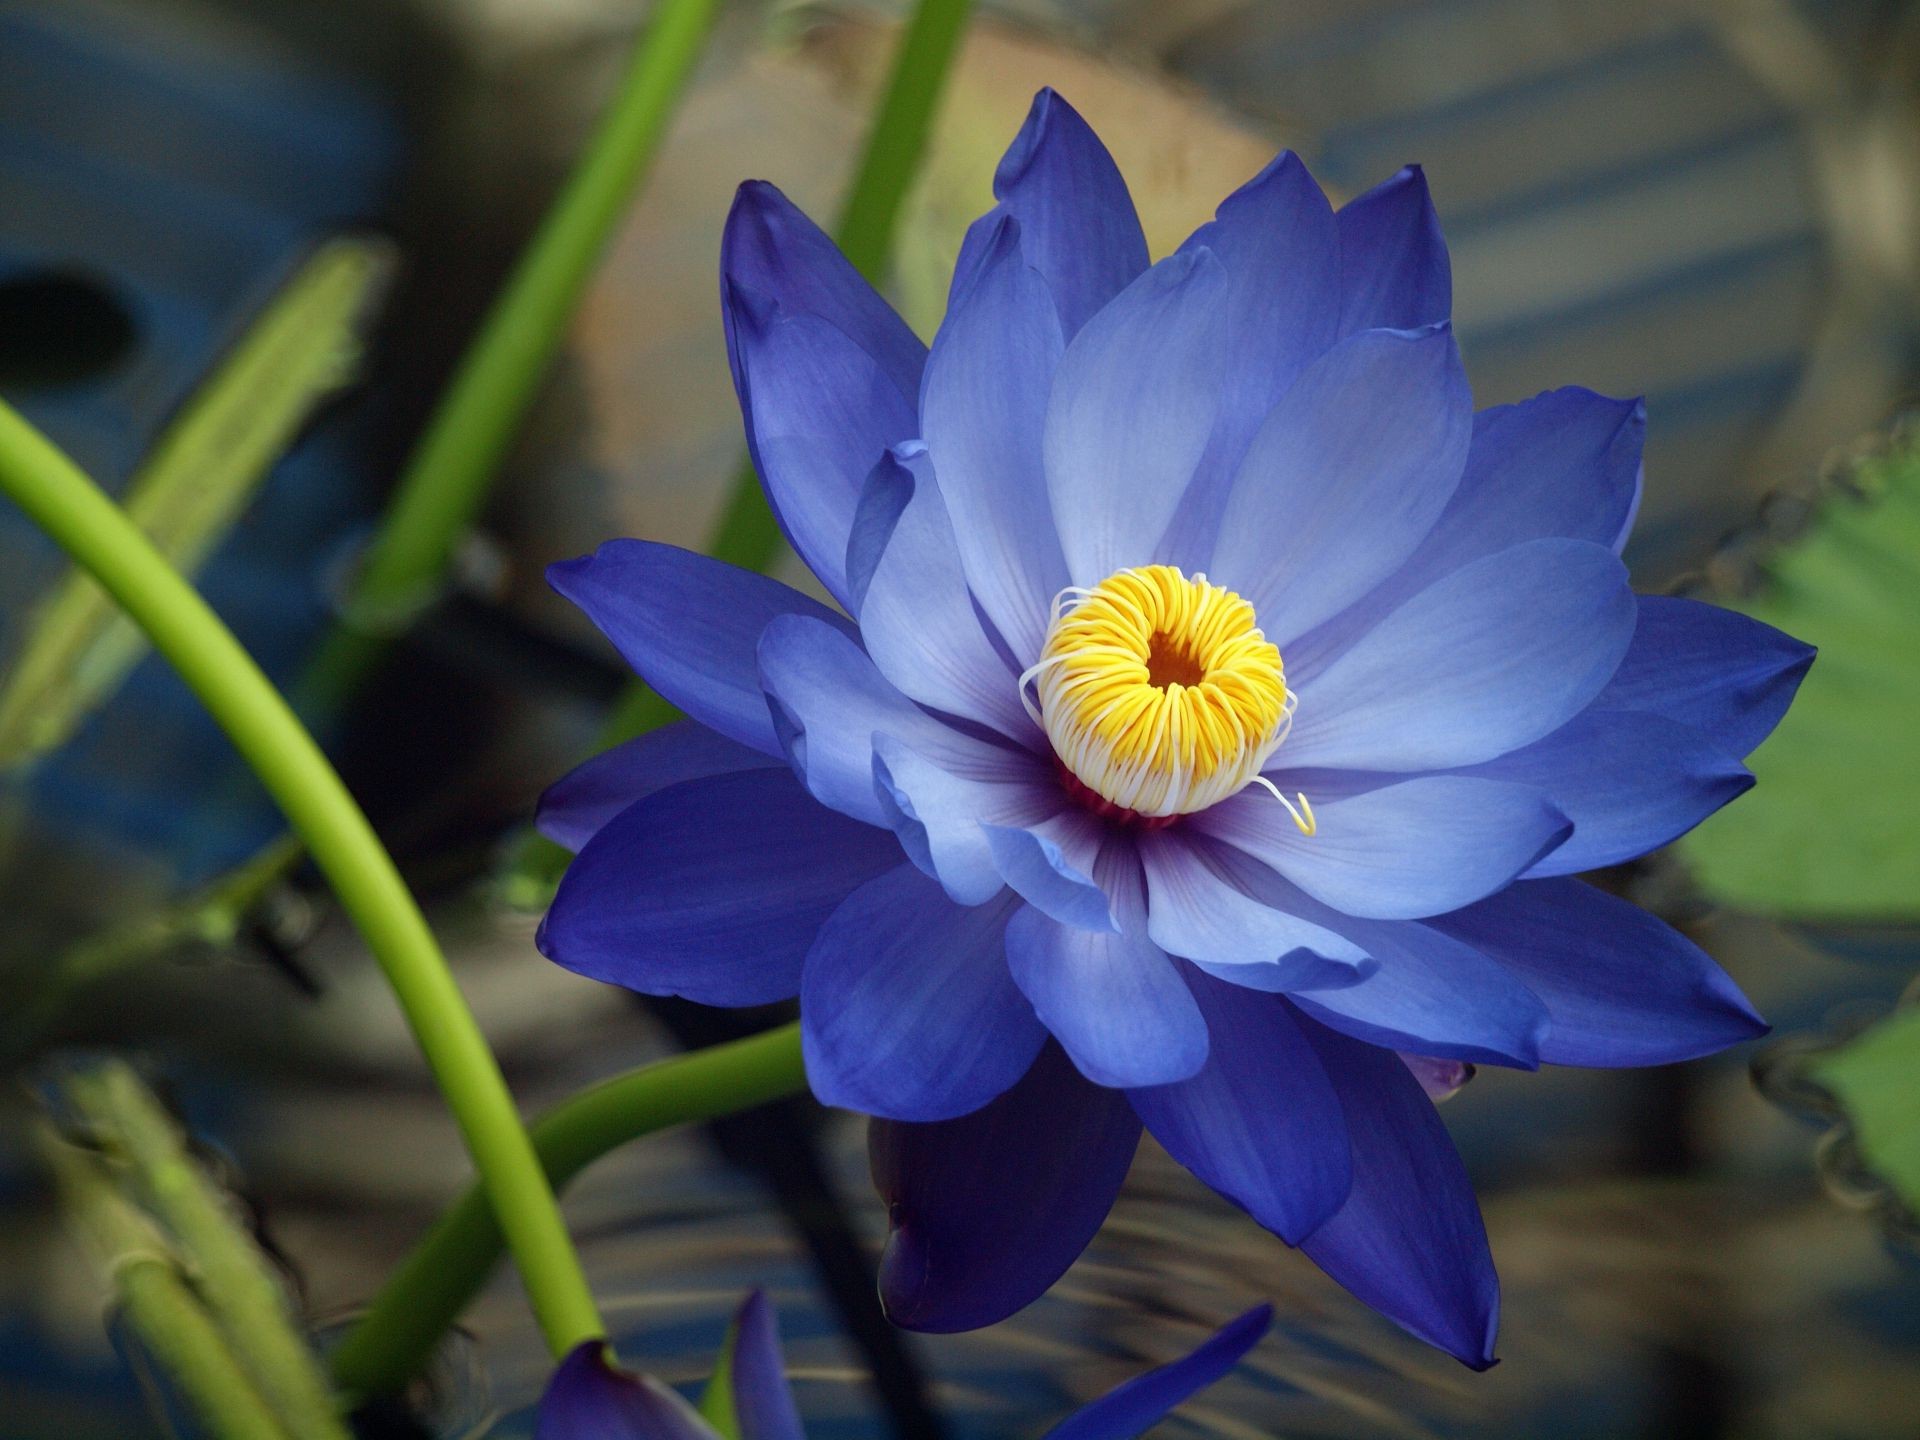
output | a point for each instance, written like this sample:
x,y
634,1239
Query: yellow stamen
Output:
x,y
1160,693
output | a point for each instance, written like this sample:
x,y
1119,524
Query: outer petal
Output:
x,y
1275,237
762,1399
588,1399
1145,1400
713,889
773,250
575,806
1409,1241
1345,477
1729,677
1493,657
819,412
1621,987
1629,782
828,701
1261,1123
1112,999
1133,405
987,1211
982,417
1416,848
1077,224
689,626
1394,270
917,616
1208,903
906,1006
1433,995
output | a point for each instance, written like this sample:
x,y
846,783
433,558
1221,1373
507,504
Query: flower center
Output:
x,y
1159,692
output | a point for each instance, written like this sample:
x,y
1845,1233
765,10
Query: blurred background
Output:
x,y
1714,203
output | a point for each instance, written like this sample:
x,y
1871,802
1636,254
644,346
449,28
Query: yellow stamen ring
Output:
x,y
1160,693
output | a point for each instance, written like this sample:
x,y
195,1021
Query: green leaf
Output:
x,y
1828,834
303,347
716,1401
1875,1078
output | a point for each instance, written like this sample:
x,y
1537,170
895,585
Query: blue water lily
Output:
x,y
589,1398
1224,710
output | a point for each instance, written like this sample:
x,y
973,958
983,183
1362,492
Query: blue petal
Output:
x,y
1493,657
588,1399
918,619
1077,224
1729,677
713,889
941,814
1260,1123
1275,237
1621,987
1133,404
1417,848
906,1006
982,416
987,1211
762,1400
575,806
1394,270
770,248
1628,781
1141,1403
1345,477
1050,864
690,626
819,413
1207,903
828,700
1409,1241
1112,999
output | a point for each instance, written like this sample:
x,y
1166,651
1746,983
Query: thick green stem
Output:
x,y
446,480
423,1298
99,538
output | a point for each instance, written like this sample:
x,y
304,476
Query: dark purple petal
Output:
x,y
1394,270
1345,477
987,1211
575,806
1077,223
589,1399
773,250
1132,407
906,1006
1628,780
982,416
1112,998
1420,847
1729,677
1409,1241
1259,1123
1441,1079
762,1400
1275,237
713,889
1433,995
689,626
1141,1403
1620,987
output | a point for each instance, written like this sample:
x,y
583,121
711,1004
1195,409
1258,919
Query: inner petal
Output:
x,y
1159,691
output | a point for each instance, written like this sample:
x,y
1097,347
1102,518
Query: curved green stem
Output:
x,y
445,481
99,538
423,1298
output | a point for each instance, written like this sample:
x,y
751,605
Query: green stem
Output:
x,y
99,538
426,1294
446,480
242,1293
154,1295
